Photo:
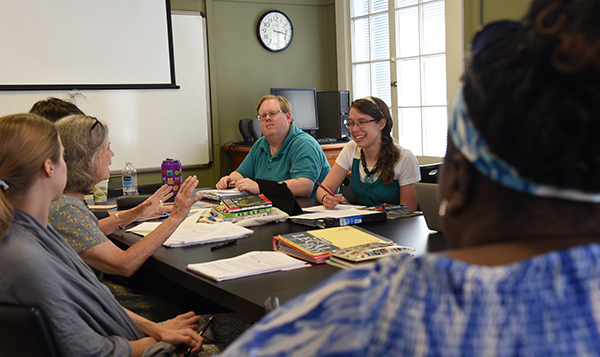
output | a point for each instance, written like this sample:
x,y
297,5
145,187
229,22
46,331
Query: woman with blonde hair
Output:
x,y
39,268
88,156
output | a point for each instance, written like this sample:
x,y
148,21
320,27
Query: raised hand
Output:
x,y
153,207
183,200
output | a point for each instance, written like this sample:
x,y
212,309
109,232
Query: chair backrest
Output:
x,y
24,332
346,189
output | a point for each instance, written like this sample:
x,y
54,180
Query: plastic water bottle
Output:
x,y
130,186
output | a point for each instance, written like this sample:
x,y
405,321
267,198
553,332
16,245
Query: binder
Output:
x,y
328,222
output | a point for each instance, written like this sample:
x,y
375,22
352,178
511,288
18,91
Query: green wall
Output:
x,y
493,10
241,70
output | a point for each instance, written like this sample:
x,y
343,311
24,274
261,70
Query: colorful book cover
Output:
x,y
370,251
245,203
319,243
217,211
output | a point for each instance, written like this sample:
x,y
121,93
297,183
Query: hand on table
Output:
x,y
247,185
224,182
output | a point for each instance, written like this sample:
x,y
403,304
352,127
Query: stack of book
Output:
x,y
316,246
395,211
348,258
238,208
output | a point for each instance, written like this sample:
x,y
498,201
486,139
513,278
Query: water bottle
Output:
x,y
130,186
171,174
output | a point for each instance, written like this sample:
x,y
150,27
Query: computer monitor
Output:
x,y
304,106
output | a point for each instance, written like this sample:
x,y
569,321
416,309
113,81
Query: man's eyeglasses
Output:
x,y
359,124
272,115
96,123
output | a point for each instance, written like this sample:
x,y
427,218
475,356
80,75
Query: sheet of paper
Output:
x,y
350,212
200,233
340,207
102,206
144,228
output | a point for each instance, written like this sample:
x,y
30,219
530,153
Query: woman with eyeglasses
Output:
x,y
39,268
88,156
520,203
382,171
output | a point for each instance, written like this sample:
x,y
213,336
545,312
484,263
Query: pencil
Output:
x,y
325,188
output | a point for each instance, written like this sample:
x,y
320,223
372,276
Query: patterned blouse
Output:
x,y
75,223
548,305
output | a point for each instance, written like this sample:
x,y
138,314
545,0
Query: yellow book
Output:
x,y
316,245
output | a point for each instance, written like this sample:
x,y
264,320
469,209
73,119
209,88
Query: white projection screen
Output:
x,y
86,44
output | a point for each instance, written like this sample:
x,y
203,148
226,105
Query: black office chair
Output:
x,y
346,190
430,173
24,332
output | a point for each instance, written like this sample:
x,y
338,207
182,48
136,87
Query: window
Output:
x,y
399,53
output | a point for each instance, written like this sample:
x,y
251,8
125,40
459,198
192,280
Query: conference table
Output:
x,y
247,295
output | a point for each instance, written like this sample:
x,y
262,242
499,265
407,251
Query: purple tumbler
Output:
x,y
171,174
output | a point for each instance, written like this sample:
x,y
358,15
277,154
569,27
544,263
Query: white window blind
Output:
x,y
399,55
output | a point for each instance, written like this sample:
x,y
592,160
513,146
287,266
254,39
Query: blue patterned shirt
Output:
x,y
548,305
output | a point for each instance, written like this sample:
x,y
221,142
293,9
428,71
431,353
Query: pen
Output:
x,y
200,333
231,184
223,245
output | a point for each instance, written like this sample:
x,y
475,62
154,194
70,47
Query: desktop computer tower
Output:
x,y
332,107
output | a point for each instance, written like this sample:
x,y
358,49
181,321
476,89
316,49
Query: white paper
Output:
x,y
351,212
251,263
201,233
339,207
217,195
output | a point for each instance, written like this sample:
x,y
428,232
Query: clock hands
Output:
x,y
281,32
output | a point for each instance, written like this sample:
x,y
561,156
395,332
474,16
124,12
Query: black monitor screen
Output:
x,y
304,106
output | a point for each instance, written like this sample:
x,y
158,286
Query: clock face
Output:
x,y
275,31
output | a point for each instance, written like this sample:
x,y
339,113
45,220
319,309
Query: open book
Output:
x,y
248,264
190,232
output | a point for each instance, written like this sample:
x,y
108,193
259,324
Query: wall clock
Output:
x,y
275,31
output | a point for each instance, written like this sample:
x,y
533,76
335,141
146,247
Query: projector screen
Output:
x,y
86,44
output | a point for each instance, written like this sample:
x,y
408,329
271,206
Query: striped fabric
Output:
x,y
548,305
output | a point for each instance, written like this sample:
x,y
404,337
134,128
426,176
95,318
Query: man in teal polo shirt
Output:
x,y
284,153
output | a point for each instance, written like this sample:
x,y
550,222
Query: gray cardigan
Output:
x,y
39,268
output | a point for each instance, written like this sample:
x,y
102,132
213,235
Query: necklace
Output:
x,y
368,178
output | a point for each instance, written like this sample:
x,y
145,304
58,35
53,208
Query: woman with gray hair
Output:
x,y
88,156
